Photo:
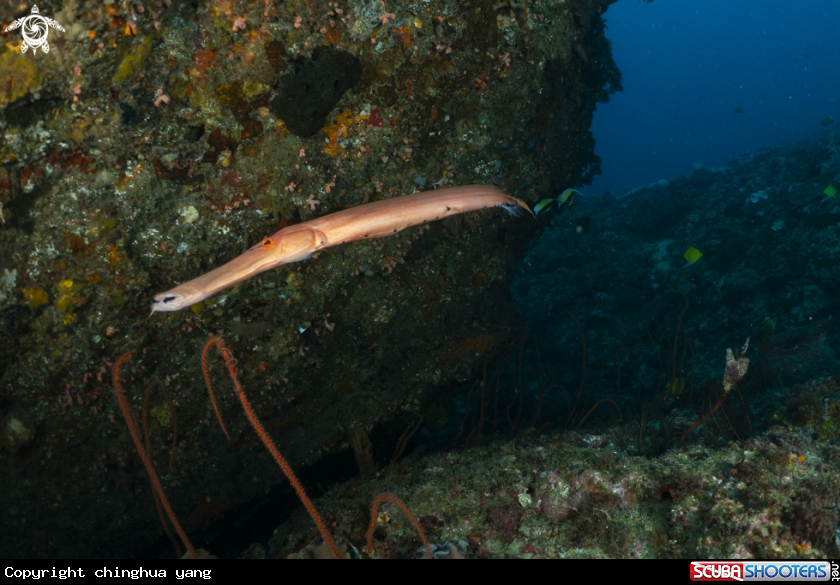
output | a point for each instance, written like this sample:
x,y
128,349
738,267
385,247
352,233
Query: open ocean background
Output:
x,y
685,65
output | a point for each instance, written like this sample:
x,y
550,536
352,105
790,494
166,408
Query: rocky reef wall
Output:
x,y
629,443
158,140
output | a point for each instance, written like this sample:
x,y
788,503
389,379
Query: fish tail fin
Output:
x,y
519,209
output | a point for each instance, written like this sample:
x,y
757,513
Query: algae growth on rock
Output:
x,y
146,148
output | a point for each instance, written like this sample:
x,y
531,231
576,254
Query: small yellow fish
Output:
x,y
830,191
566,196
692,255
676,386
542,206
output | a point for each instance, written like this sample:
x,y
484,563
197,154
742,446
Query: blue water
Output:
x,y
687,64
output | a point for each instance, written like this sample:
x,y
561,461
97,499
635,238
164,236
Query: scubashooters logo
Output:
x,y
798,571
34,29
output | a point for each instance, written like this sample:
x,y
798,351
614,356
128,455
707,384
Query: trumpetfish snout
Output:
x,y
369,221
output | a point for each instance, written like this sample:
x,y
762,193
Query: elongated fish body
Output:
x,y
365,222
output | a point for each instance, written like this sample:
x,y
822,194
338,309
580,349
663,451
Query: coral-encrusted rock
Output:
x,y
115,194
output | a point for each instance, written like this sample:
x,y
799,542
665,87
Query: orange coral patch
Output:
x,y
332,36
342,122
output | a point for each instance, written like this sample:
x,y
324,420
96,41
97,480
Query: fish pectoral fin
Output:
x,y
321,240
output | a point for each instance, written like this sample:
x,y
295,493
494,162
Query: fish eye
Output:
x,y
268,242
